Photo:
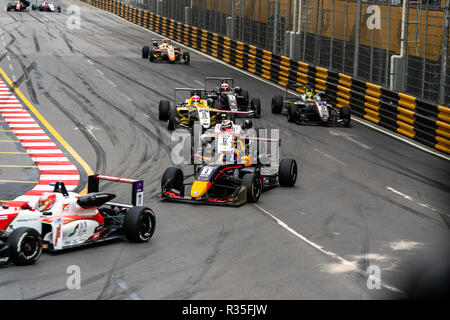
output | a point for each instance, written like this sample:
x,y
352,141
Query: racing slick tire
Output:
x,y
287,172
33,7
244,93
9,7
255,104
139,224
151,56
254,187
25,246
277,104
345,114
186,57
173,119
145,52
292,115
164,110
58,9
173,179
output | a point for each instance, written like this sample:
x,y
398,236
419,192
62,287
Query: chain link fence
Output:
x,y
399,44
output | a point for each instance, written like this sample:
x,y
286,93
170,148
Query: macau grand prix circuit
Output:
x,y
363,198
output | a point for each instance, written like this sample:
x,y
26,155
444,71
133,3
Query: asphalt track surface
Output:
x,y
362,196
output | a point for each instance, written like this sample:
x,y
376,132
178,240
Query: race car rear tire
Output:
x,y
186,57
255,105
33,7
173,119
277,104
164,109
25,246
292,115
145,52
139,224
345,114
287,172
152,56
8,7
254,187
58,9
244,93
173,179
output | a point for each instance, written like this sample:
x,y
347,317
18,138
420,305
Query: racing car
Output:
x,y
194,108
229,97
163,50
310,107
232,175
46,6
60,220
20,6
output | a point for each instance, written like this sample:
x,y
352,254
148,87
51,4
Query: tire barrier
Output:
x,y
422,121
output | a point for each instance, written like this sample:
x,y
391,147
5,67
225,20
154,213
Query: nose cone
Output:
x,y
199,188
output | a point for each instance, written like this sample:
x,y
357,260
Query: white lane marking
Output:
x,y
351,266
405,196
404,245
124,286
111,83
45,159
361,121
14,79
11,67
126,97
100,71
8,58
90,61
39,144
199,82
329,157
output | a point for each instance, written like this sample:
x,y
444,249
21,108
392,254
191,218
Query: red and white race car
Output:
x,y
46,6
20,6
60,220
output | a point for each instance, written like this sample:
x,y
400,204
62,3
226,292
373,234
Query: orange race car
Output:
x,y
163,50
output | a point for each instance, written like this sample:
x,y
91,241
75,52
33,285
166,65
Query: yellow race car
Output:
x,y
186,111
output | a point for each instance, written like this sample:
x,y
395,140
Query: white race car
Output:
x,y
61,220
46,6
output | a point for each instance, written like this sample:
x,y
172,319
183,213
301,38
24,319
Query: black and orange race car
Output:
x,y
230,173
163,50
19,6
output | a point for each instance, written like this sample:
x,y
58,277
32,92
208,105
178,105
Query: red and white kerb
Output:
x,y
50,160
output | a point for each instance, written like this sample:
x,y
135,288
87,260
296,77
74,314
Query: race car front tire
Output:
x,y
244,93
292,114
255,105
277,104
287,172
254,187
173,119
164,109
139,224
152,56
33,7
186,57
173,179
58,9
25,246
345,114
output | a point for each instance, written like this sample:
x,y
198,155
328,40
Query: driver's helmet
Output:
x,y
195,100
226,124
309,95
46,201
224,87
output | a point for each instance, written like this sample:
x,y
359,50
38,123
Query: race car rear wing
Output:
x,y
137,190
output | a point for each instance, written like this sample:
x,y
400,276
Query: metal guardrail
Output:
x,y
415,118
